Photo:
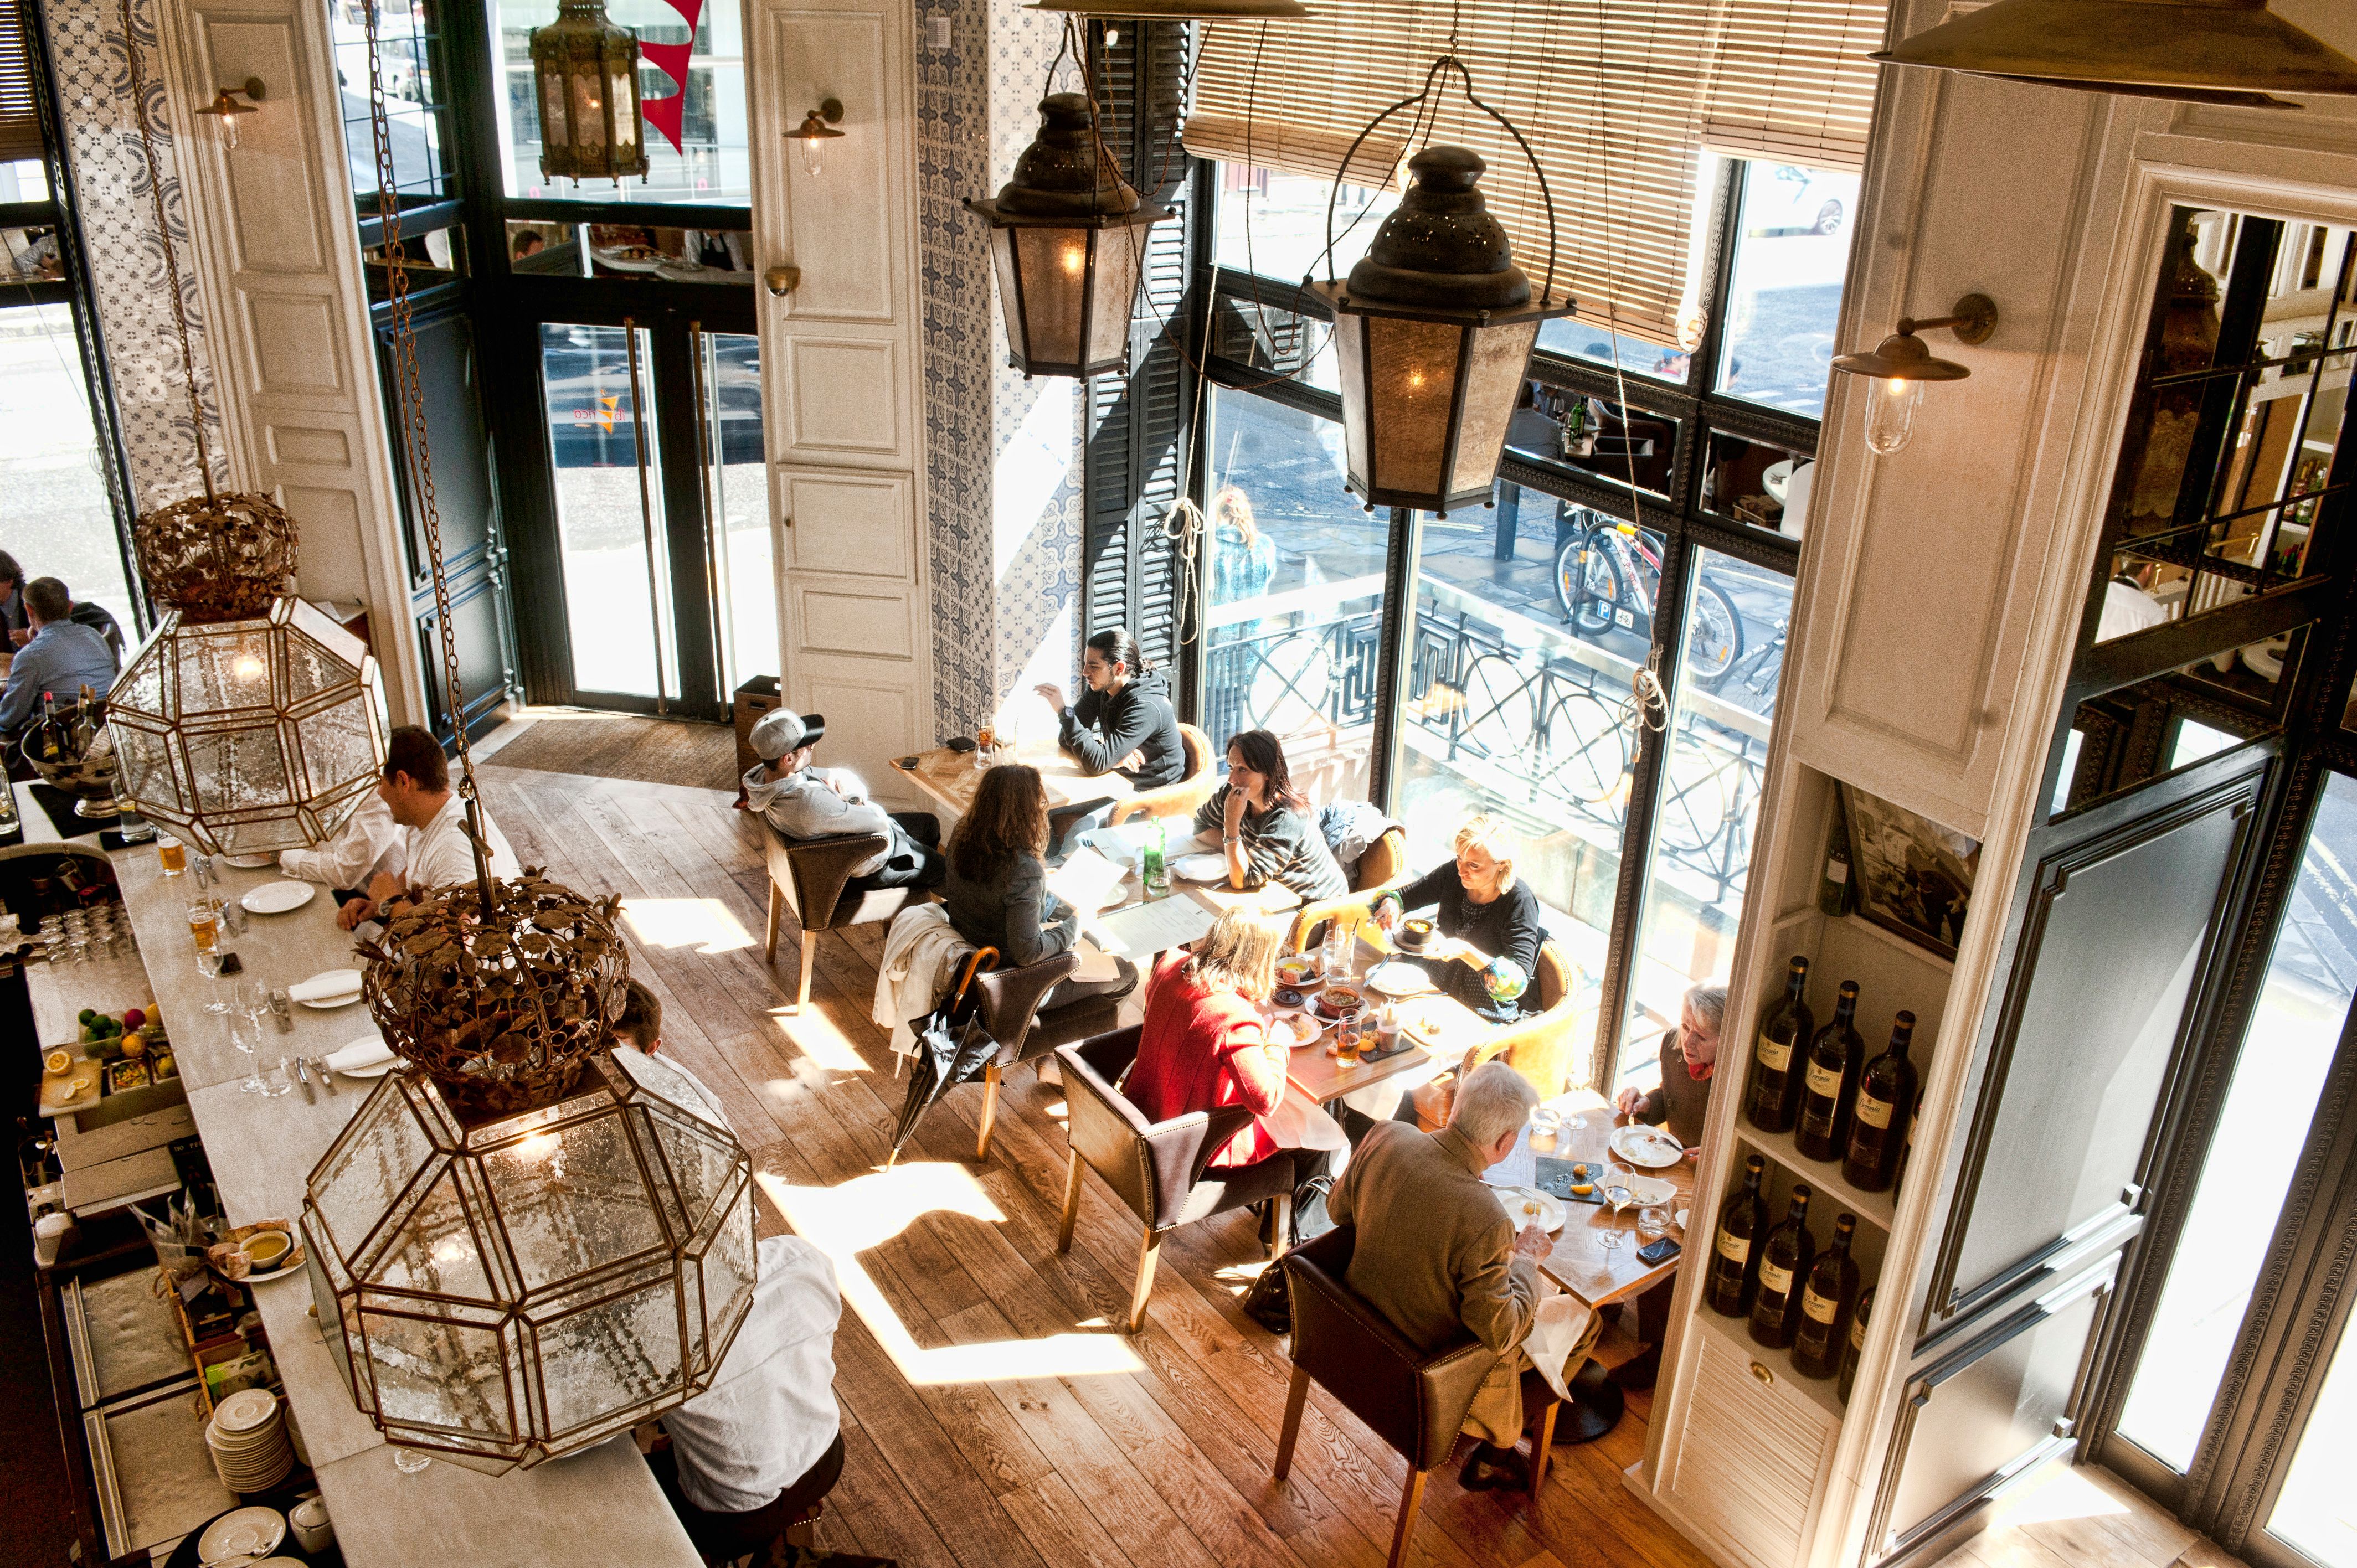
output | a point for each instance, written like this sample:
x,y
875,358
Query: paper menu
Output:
x,y
1141,930
1087,881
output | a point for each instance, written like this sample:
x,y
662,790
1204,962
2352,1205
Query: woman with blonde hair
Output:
x,y
995,891
1483,913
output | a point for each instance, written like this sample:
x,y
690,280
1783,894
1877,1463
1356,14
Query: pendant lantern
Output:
x,y
584,74
1433,332
1062,239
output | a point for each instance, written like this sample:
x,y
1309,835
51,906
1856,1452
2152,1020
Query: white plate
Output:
x,y
1295,1022
254,1531
1650,1189
1313,980
1647,1148
279,897
1679,1220
361,1049
1199,867
1399,979
249,862
328,1004
249,1410
1526,1204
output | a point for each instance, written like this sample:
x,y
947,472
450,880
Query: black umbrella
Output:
x,y
952,1048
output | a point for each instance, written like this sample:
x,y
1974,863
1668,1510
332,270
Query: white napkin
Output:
x,y
325,984
1564,1329
360,1054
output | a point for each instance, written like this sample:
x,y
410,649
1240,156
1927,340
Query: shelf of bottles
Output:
x,y
1837,1052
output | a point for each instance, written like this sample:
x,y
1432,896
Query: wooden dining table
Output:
x,y
949,778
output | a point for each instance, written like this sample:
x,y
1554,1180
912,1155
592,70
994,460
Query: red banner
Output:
x,y
663,114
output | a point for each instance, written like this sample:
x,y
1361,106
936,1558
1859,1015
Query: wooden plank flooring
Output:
x,y
992,1416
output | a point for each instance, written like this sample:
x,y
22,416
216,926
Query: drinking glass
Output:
x,y
172,853
1546,1127
251,999
209,964
280,1079
409,1461
249,1040
1652,1221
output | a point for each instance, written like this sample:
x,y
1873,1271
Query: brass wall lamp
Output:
x,y
817,129
226,110
1901,365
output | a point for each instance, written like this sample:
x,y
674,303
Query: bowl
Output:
x,y
1341,1002
266,1250
1415,934
1297,974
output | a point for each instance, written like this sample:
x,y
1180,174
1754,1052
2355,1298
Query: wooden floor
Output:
x,y
2084,1518
993,1420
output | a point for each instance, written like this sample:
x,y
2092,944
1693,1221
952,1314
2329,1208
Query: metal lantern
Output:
x,y
584,74
1061,238
1433,331
503,1292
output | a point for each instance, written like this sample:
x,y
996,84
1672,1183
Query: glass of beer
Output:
x,y
204,924
172,853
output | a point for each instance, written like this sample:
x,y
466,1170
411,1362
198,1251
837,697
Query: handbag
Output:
x,y
1269,1303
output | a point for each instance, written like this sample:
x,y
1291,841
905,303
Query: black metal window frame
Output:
x,y
1678,515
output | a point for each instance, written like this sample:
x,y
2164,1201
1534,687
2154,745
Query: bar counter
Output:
x,y
601,1505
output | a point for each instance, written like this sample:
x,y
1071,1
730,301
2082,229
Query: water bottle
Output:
x,y
1152,872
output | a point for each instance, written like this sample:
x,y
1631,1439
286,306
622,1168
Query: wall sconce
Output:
x,y
226,110
1901,365
815,132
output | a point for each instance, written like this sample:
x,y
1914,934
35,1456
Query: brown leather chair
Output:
x,y
1155,1167
1182,798
1384,865
1009,1000
812,877
1416,1400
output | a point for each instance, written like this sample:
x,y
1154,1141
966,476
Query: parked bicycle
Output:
x,y
1608,574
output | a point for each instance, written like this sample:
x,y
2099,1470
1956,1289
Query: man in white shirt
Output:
x,y
417,789
368,845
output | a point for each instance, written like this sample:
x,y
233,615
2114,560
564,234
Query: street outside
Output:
x,y
57,519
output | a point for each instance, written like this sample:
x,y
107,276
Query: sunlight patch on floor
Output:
x,y
816,1035
703,924
2060,1493
860,1214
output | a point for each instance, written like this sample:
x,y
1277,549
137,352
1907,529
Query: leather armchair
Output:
x,y
1183,799
1010,1001
1540,1047
1383,865
1155,1168
809,876
1416,1400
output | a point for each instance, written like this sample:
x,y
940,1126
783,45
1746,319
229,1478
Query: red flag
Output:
x,y
689,11
663,114
671,60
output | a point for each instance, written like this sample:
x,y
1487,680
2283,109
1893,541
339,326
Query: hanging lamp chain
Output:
x,y
415,445
171,260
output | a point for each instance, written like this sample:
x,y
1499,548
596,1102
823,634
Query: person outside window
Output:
x,y
1264,827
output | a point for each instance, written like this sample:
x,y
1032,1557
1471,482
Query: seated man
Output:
x,y
59,658
802,801
767,1430
438,854
1437,1257
369,844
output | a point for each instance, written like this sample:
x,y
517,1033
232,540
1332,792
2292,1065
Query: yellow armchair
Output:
x,y
1541,1047
1183,799
1384,865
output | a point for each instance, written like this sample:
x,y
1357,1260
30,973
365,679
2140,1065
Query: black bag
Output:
x,y
1269,1303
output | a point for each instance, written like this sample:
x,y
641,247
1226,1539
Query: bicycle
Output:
x,y
1608,574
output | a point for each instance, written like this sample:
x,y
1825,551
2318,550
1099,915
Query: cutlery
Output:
x,y
281,1009
327,1076
303,1075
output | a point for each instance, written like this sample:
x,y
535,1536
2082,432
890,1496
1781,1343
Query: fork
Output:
x,y
327,1074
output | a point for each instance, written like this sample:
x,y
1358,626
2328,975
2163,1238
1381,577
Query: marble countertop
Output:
x,y
262,1148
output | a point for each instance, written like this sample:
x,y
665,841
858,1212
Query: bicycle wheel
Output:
x,y
1500,716
1587,584
1585,751
1715,639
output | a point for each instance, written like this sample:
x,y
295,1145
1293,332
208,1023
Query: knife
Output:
x,y
327,1074
303,1075
281,1010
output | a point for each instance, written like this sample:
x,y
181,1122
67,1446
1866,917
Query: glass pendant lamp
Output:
x,y
584,74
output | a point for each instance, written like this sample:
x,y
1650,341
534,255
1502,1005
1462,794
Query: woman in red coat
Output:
x,y
1205,1040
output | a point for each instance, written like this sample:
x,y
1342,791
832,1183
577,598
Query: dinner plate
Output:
x,y
1528,1206
249,862
245,1410
368,1056
242,1533
1647,1148
1295,1023
328,1004
1399,979
1199,867
279,897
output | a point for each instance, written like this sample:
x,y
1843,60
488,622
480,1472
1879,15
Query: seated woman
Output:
x,y
1123,723
1205,1041
1483,914
995,890
1689,1058
1264,826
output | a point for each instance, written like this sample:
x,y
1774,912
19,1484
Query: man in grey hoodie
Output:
x,y
806,802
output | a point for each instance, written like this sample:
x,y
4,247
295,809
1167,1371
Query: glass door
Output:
x,y
605,461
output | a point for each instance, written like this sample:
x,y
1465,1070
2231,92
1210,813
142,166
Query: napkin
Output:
x,y
1559,1340
325,984
358,1055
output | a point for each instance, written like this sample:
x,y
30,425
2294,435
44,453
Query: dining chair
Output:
x,y
1414,1399
1010,1002
1155,1168
1384,865
812,877
1182,798
1541,1047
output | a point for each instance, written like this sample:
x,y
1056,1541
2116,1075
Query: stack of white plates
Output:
x,y
248,1438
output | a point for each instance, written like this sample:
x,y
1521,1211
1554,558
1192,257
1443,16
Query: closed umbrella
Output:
x,y
952,1048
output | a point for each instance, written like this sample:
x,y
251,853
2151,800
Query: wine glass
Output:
x,y
1616,1193
209,964
409,1461
249,1040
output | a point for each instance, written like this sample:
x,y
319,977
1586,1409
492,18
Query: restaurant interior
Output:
x,y
780,757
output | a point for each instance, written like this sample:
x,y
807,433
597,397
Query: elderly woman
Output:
x,y
1483,913
1689,1054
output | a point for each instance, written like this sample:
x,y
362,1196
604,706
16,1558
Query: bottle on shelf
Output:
x,y
1784,1260
1857,1345
1878,1125
1828,1298
1836,893
1771,1097
1734,1253
1829,1080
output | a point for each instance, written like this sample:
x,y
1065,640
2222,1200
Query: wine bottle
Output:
x,y
1773,1096
1784,1260
1857,1345
1836,893
1829,1080
1734,1256
1879,1124
1827,1299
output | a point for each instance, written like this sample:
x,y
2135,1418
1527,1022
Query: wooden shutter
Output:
x,y
1616,97
20,112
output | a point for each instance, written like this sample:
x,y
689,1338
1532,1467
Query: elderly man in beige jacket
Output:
x,y
1438,1256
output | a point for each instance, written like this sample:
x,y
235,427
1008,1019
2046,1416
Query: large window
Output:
x,y
1637,534
58,519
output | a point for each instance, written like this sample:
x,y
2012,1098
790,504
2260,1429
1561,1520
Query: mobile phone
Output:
x,y
909,761
1660,1252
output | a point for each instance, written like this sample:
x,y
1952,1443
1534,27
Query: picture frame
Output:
x,y
1914,877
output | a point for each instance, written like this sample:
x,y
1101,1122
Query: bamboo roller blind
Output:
x,y
1616,97
20,117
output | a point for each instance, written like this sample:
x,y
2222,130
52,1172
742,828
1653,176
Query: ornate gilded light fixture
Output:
x,y
1899,366
524,1241
585,74
1434,326
2198,52
247,722
814,132
1061,239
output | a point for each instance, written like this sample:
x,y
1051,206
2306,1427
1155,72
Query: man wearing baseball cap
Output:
x,y
806,802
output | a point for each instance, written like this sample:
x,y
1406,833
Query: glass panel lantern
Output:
x,y
505,1292
585,72
248,735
